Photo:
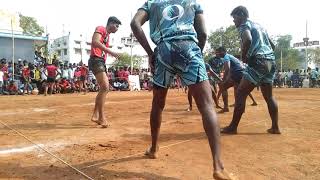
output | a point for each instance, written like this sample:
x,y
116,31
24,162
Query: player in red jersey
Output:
x,y
99,50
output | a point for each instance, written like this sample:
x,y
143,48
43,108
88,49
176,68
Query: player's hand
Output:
x,y
116,55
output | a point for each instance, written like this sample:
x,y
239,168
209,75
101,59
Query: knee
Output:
x,y
158,104
104,89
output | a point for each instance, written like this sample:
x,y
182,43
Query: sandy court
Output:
x,y
61,125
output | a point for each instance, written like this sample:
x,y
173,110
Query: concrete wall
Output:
x,y
23,49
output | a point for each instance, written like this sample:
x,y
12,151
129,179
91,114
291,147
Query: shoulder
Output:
x,y
246,26
100,29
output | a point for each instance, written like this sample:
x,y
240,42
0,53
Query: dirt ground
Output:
x,y
61,125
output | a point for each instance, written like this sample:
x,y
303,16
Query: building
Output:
x,y
24,46
11,33
73,48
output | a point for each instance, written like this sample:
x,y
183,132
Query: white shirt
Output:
x,y
1,76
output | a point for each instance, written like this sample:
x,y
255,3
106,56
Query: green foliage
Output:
x,y
291,58
30,26
229,38
125,60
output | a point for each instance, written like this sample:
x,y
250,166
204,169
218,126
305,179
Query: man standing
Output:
x,y
257,52
84,77
52,72
178,30
99,51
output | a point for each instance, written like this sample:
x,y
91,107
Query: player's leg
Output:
x,y
201,93
189,100
266,90
244,89
98,113
158,103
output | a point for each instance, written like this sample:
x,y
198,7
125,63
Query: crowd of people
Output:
x,y
40,77
297,78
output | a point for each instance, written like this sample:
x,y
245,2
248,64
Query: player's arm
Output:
x,y
136,25
212,73
97,44
226,69
246,43
199,26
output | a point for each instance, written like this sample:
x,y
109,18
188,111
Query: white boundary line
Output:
x,y
40,147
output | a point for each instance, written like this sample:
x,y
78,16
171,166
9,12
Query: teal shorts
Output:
x,y
260,71
179,57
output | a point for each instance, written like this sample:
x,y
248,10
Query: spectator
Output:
x,y
1,79
11,89
25,79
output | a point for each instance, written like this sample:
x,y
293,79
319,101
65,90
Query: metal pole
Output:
x,y
81,48
306,43
12,49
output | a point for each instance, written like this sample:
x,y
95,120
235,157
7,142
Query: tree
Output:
x,y
125,60
229,38
291,58
30,26
315,55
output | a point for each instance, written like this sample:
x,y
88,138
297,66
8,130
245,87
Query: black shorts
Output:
x,y
50,80
96,65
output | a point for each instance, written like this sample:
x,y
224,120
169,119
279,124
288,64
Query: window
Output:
x,y
64,43
65,51
58,45
59,52
77,51
77,42
88,52
89,44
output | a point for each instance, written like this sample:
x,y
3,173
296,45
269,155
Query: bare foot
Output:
x,y
189,109
104,123
150,154
274,131
223,110
228,130
223,175
95,119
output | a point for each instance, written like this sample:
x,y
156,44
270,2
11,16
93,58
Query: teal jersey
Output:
x,y
172,19
314,74
260,45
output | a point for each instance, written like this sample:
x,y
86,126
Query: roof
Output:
x,y
21,36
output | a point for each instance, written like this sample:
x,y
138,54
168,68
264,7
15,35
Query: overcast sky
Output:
x,y
279,17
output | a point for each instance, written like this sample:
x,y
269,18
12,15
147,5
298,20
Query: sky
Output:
x,y
279,17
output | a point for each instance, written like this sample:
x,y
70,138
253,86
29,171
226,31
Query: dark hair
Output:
x,y
113,19
240,11
221,49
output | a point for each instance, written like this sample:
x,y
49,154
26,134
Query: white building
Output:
x,y
73,48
